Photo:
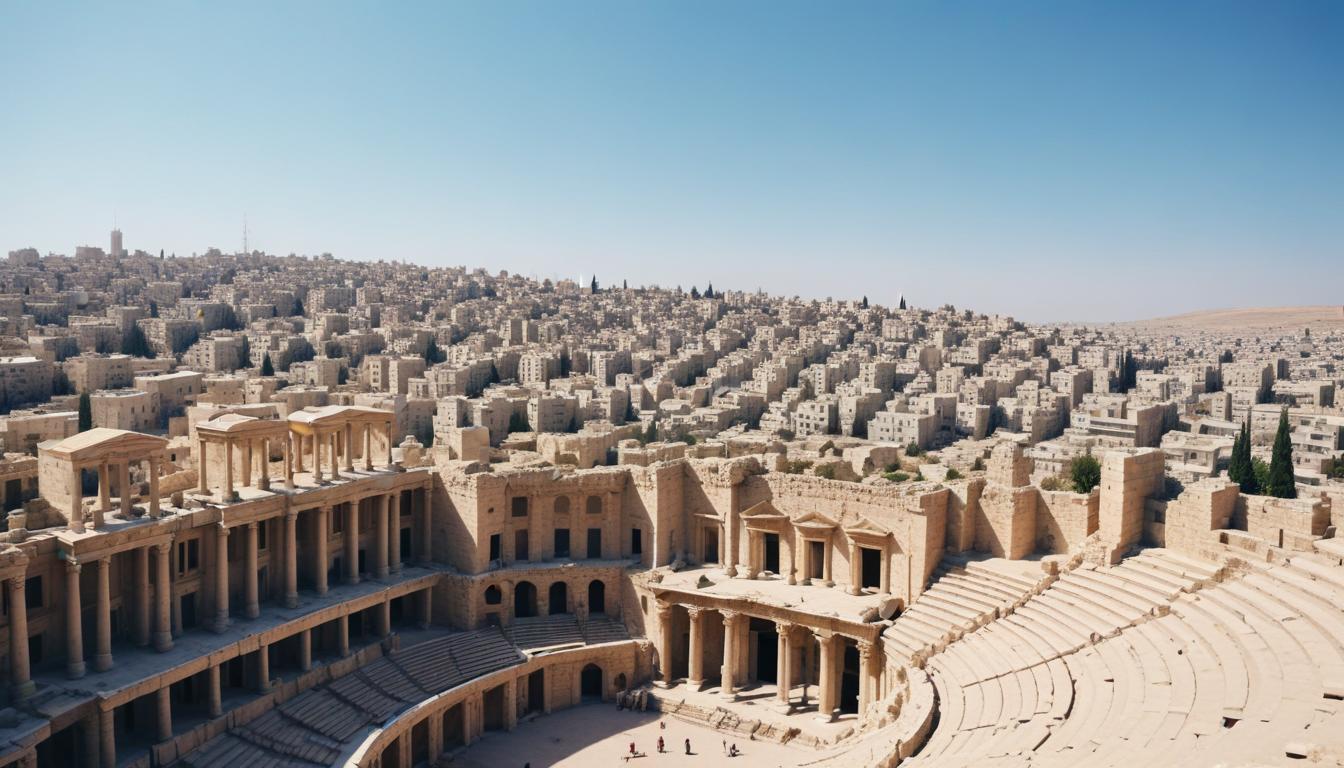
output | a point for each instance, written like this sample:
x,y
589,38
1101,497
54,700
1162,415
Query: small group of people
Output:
x,y
729,750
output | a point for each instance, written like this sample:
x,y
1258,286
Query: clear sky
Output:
x,y
1051,160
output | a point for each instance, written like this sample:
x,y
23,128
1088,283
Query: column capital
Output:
x,y
865,648
72,564
222,529
291,514
731,617
784,628
695,612
17,583
664,609
252,526
104,563
162,547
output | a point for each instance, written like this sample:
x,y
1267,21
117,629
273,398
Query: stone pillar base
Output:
x,y
292,600
75,670
23,690
163,641
102,662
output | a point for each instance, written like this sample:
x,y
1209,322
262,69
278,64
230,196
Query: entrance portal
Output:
x,y
816,560
711,554
590,682
872,568
772,552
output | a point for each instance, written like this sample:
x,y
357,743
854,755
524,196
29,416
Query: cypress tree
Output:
x,y
85,412
267,369
1281,484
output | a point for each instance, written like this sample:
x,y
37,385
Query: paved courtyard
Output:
x,y
598,735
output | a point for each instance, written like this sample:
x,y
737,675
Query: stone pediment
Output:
x,y
240,424
867,529
764,515
816,522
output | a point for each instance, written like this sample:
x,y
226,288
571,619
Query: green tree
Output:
x,y
518,422
902,302
864,304
267,369
135,344
695,294
432,351
651,432
593,285
153,309
1085,473
1260,471
245,354
1280,483
85,412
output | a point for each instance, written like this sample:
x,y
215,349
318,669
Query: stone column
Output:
x,y
384,616
805,573
389,444
143,609
102,658
20,673
730,533
427,524
731,621
306,650
74,625
124,471
287,447
352,542
380,537
76,499
855,569
695,661
317,457
228,494
104,495
323,558
247,462
251,608
165,719
265,466
784,666
163,633
368,447
426,606
291,558
264,668
886,570
826,682
215,696
107,738
343,635
335,439
153,486
349,446
221,577
203,486
755,543
865,680
394,521
664,645
790,547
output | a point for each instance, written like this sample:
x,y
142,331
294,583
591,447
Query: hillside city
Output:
x,y
295,510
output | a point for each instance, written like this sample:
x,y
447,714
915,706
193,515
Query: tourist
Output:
x,y
660,745
688,746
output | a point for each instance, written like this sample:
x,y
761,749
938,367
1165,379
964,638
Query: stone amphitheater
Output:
x,y
308,594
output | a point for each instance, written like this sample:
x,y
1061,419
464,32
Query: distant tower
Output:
x,y
116,243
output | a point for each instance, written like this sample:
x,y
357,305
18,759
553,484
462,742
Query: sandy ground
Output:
x,y
599,736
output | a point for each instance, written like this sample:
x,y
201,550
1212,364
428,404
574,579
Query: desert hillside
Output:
x,y
1259,318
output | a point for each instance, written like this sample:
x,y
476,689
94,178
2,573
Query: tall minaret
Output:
x,y
117,250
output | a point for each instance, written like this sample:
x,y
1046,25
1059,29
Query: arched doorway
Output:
x,y
597,596
524,600
558,600
590,682
492,595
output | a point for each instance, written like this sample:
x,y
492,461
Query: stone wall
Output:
x,y
1126,481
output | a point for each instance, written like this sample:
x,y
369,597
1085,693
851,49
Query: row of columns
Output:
x,y
830,661
104,506
263,447
161,637
339,442
104,751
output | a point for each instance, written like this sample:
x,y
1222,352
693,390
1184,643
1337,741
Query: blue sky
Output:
x,y
1050,160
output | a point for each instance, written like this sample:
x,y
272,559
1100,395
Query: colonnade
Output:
x,y
791,636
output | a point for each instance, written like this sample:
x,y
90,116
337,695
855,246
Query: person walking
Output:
x,y
688,746
660,745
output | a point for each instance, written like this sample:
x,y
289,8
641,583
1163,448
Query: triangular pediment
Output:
x,y
866,528
763,511
814,520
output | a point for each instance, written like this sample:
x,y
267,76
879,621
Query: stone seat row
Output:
x,y
314,727
1239,670
964,594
